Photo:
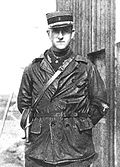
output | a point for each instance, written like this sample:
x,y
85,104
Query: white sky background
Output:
x,y
23,37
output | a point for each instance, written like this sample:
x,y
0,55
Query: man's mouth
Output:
x,y
60,41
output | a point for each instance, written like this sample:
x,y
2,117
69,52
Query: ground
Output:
x,y
11,142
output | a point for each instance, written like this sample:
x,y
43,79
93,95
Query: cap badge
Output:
x,y
59,18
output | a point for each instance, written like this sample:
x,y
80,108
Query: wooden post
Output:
x,y
95,27
5,114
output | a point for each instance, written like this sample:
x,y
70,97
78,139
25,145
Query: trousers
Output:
x,y
31,162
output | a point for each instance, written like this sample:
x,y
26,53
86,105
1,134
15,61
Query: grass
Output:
x,y
11,142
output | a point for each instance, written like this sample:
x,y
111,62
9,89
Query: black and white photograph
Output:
x,y
60,83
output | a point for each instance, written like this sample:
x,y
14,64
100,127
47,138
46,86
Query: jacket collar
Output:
x,y
45,65
80,58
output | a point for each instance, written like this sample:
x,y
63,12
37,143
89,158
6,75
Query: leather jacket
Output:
x,y
67,112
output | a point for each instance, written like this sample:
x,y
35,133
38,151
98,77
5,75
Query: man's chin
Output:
x,y
60,47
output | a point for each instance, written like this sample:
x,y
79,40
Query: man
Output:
x,y
62,121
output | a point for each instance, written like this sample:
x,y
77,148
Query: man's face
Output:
x,y
60,37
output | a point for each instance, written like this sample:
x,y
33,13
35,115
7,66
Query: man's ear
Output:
x,y
49,33
73,33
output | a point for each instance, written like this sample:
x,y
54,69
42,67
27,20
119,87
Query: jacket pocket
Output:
x,y
83,123
79,137
36,126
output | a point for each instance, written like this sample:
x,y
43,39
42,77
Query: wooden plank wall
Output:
x,y
95,30
117,112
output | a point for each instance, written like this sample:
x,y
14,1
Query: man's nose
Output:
x,y
60,35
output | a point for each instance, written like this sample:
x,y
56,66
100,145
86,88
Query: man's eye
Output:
x,y
56,31
66,30
62,30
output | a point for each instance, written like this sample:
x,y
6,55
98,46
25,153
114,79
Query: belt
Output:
x,y
60,115
42,115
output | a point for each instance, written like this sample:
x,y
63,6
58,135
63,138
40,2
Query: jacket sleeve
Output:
x,y
97,95
24,99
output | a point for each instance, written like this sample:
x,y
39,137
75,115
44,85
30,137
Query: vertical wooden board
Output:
x,y
112,40
80,28
83,28
76,13
63,5
94,25
108,54
86,44
113,74
112,45
74,18
107,44
110,84
71,5
98,24
101,144
102,24
59,5
77,17
112,79
90,26
72,10
98,58
96,140
100,134
117,116
113,23
67,4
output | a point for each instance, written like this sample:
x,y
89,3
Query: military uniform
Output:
x,y
61,132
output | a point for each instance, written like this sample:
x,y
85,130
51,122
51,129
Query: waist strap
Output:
x,y
60,114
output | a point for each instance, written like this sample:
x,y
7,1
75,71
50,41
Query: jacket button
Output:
x,y
73,80
53,123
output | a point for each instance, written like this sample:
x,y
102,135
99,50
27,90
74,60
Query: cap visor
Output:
x,y
61,25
